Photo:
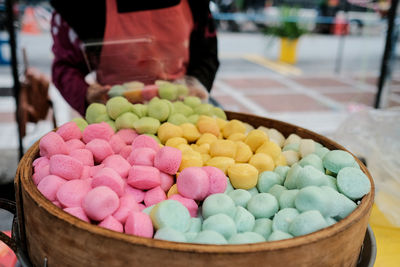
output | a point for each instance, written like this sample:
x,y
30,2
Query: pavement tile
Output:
x,y
288,103
245,83
362,98
229,103
319,82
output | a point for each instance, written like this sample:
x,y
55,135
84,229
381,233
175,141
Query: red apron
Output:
x,y
145,45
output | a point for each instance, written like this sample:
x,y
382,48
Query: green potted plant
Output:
x,y
289,32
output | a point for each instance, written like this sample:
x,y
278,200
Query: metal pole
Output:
x,y
14,66
385,65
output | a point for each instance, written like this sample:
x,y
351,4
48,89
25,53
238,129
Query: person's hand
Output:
x,y
97,93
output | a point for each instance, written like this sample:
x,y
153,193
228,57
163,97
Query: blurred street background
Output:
x,y
334,72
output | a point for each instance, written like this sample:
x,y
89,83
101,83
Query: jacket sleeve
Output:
x,y
203,62
69,68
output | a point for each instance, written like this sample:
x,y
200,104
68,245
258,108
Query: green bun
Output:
x,y
253,191
82,123
263,205
193,118
158,109
240,197
335,160
168,91
180,107
291,177
277,190
331,182
246,238
307,222
282,171
310,176
204,109
220,223
209,237
93,111
177,119
116,90
287,198
146,125
192,101
279,235
102,117
313,198
268,179
139,109
170,234
321,151
229,187
218,203
313,160
263,226
283,219
195,225
117,106
170,213
353,183
126,120
183,90
244,220
218,112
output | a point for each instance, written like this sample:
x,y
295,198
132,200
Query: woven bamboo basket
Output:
x,y
62,240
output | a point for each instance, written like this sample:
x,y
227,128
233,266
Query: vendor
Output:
x,y
130,40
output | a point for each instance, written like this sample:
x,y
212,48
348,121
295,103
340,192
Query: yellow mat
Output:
x,y
387,239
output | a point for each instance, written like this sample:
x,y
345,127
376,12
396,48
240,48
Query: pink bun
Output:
x,y
127,205
136,193
218,180
139,224
193,183
74,144
77,212
145,141
118,164
83,155
127,135
49,186
100,202
154,196
166,181
100,130
69,131
110,178
168,159
126,151
100,148
112,224
66,167
144,177
52,144
116,143
142,156
72,192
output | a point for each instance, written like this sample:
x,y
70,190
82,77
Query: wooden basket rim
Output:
x,y
24,174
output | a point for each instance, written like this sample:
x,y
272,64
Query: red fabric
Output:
x,y
145,45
